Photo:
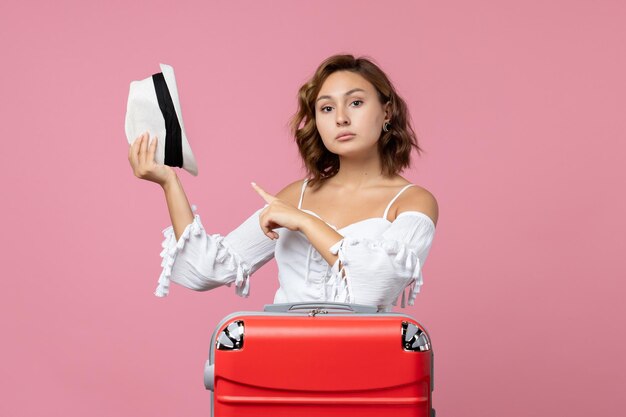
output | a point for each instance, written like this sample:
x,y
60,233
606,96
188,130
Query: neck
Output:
x,y
359,173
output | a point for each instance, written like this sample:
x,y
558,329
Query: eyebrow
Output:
x,y
346,94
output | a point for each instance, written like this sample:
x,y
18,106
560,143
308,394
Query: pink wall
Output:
x,y
519,105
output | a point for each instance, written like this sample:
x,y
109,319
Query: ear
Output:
x,y
387,109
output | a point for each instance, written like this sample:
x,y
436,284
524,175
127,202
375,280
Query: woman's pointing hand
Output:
x,y
277,214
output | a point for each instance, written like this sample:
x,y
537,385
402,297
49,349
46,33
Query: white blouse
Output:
x,y
379,259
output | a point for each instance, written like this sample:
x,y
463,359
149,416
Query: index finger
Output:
x,y
132,152
264,194
136,142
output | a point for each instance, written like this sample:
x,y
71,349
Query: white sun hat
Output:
x,y
153,106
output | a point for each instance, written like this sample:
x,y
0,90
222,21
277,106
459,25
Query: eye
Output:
x,y
359,102
323,109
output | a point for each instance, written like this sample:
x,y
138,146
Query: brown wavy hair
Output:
x,y
394,146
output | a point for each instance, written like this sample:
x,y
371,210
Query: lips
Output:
x,y
344,136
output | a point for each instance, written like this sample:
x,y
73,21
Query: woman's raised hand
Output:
x,y
141,157
278,214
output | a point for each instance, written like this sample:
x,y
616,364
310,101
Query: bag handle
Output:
x,y
289,307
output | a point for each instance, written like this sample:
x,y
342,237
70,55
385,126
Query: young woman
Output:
x,y
353,231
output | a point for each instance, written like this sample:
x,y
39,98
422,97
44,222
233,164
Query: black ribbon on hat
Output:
x,y
173,132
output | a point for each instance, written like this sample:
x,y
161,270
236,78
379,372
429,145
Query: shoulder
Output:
x,y
417,198
291,193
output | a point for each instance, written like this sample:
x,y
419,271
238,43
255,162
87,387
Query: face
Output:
x,y
349,115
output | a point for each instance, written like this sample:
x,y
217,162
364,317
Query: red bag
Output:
x,y
327,360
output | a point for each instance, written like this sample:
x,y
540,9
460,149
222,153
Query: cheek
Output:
x,y
368,121
376,121
322,127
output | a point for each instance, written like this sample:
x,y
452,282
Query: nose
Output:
x,y
341,117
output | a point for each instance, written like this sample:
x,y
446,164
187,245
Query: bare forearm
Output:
x,y
178,205
321,236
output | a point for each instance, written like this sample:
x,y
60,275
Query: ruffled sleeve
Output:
x,y
377,271
201,262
